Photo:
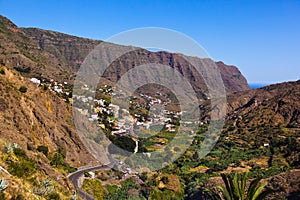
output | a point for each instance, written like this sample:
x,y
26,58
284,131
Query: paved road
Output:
x,y
74,178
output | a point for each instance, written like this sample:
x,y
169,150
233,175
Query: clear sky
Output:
x,y
261,37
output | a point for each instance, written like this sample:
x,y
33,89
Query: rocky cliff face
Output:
x,y
37,117
274,105
49,54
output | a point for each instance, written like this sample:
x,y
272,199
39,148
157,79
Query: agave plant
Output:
x,y
235,188
46,188
3,184
46,183
9,147
15,146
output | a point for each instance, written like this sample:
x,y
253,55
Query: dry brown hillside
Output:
x,y
31,118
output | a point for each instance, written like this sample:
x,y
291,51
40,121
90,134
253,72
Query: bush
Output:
x,y
43,149
2,196
18,197
69,168
62,151
144,176
23,89
45,87
94,187
2,71
53,196
165,180
23,168
20,153
57,160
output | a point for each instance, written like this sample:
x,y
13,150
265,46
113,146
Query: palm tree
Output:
x,y
235,188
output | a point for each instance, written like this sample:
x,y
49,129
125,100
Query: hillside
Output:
x,y
39,142
48,54
262,136
34,119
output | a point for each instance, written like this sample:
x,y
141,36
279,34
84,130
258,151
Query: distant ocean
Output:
x,y
255,85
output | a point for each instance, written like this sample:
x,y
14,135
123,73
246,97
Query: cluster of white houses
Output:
x,y
121,120
60,88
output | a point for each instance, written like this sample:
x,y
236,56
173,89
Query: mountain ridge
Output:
x,y
58,55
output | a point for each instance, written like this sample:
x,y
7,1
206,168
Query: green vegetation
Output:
x,y
23,167
23,70
43,149
235,188
2,71
44,189
128,190
18,197
58,160
165,193
2,196
123,142
94,188
53,196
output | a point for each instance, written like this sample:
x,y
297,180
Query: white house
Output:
x,y
266,144
91,175
35,80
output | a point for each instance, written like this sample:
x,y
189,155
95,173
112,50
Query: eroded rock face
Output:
x,y
36,118
48,54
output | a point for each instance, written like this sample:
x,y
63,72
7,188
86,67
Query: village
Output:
x,y
122,121
132,119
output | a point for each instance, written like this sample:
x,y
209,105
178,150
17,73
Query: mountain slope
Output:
x,y
48,54
35,119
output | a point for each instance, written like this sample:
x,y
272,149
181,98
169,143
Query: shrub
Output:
x,y
18,197
69,168
2,71
23,89
20,153
62,151
165,180
53,196
43,149
2,196
94,187
57,160
144,176
45,87
23,168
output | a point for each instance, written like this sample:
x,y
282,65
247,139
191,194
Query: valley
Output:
x,y
44,155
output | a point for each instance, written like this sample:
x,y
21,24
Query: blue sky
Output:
x,y
261,37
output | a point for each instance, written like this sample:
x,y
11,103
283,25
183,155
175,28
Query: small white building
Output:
x,y
266,144
94,117
35,80
91,175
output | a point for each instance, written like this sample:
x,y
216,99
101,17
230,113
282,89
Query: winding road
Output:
x,y
75,176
